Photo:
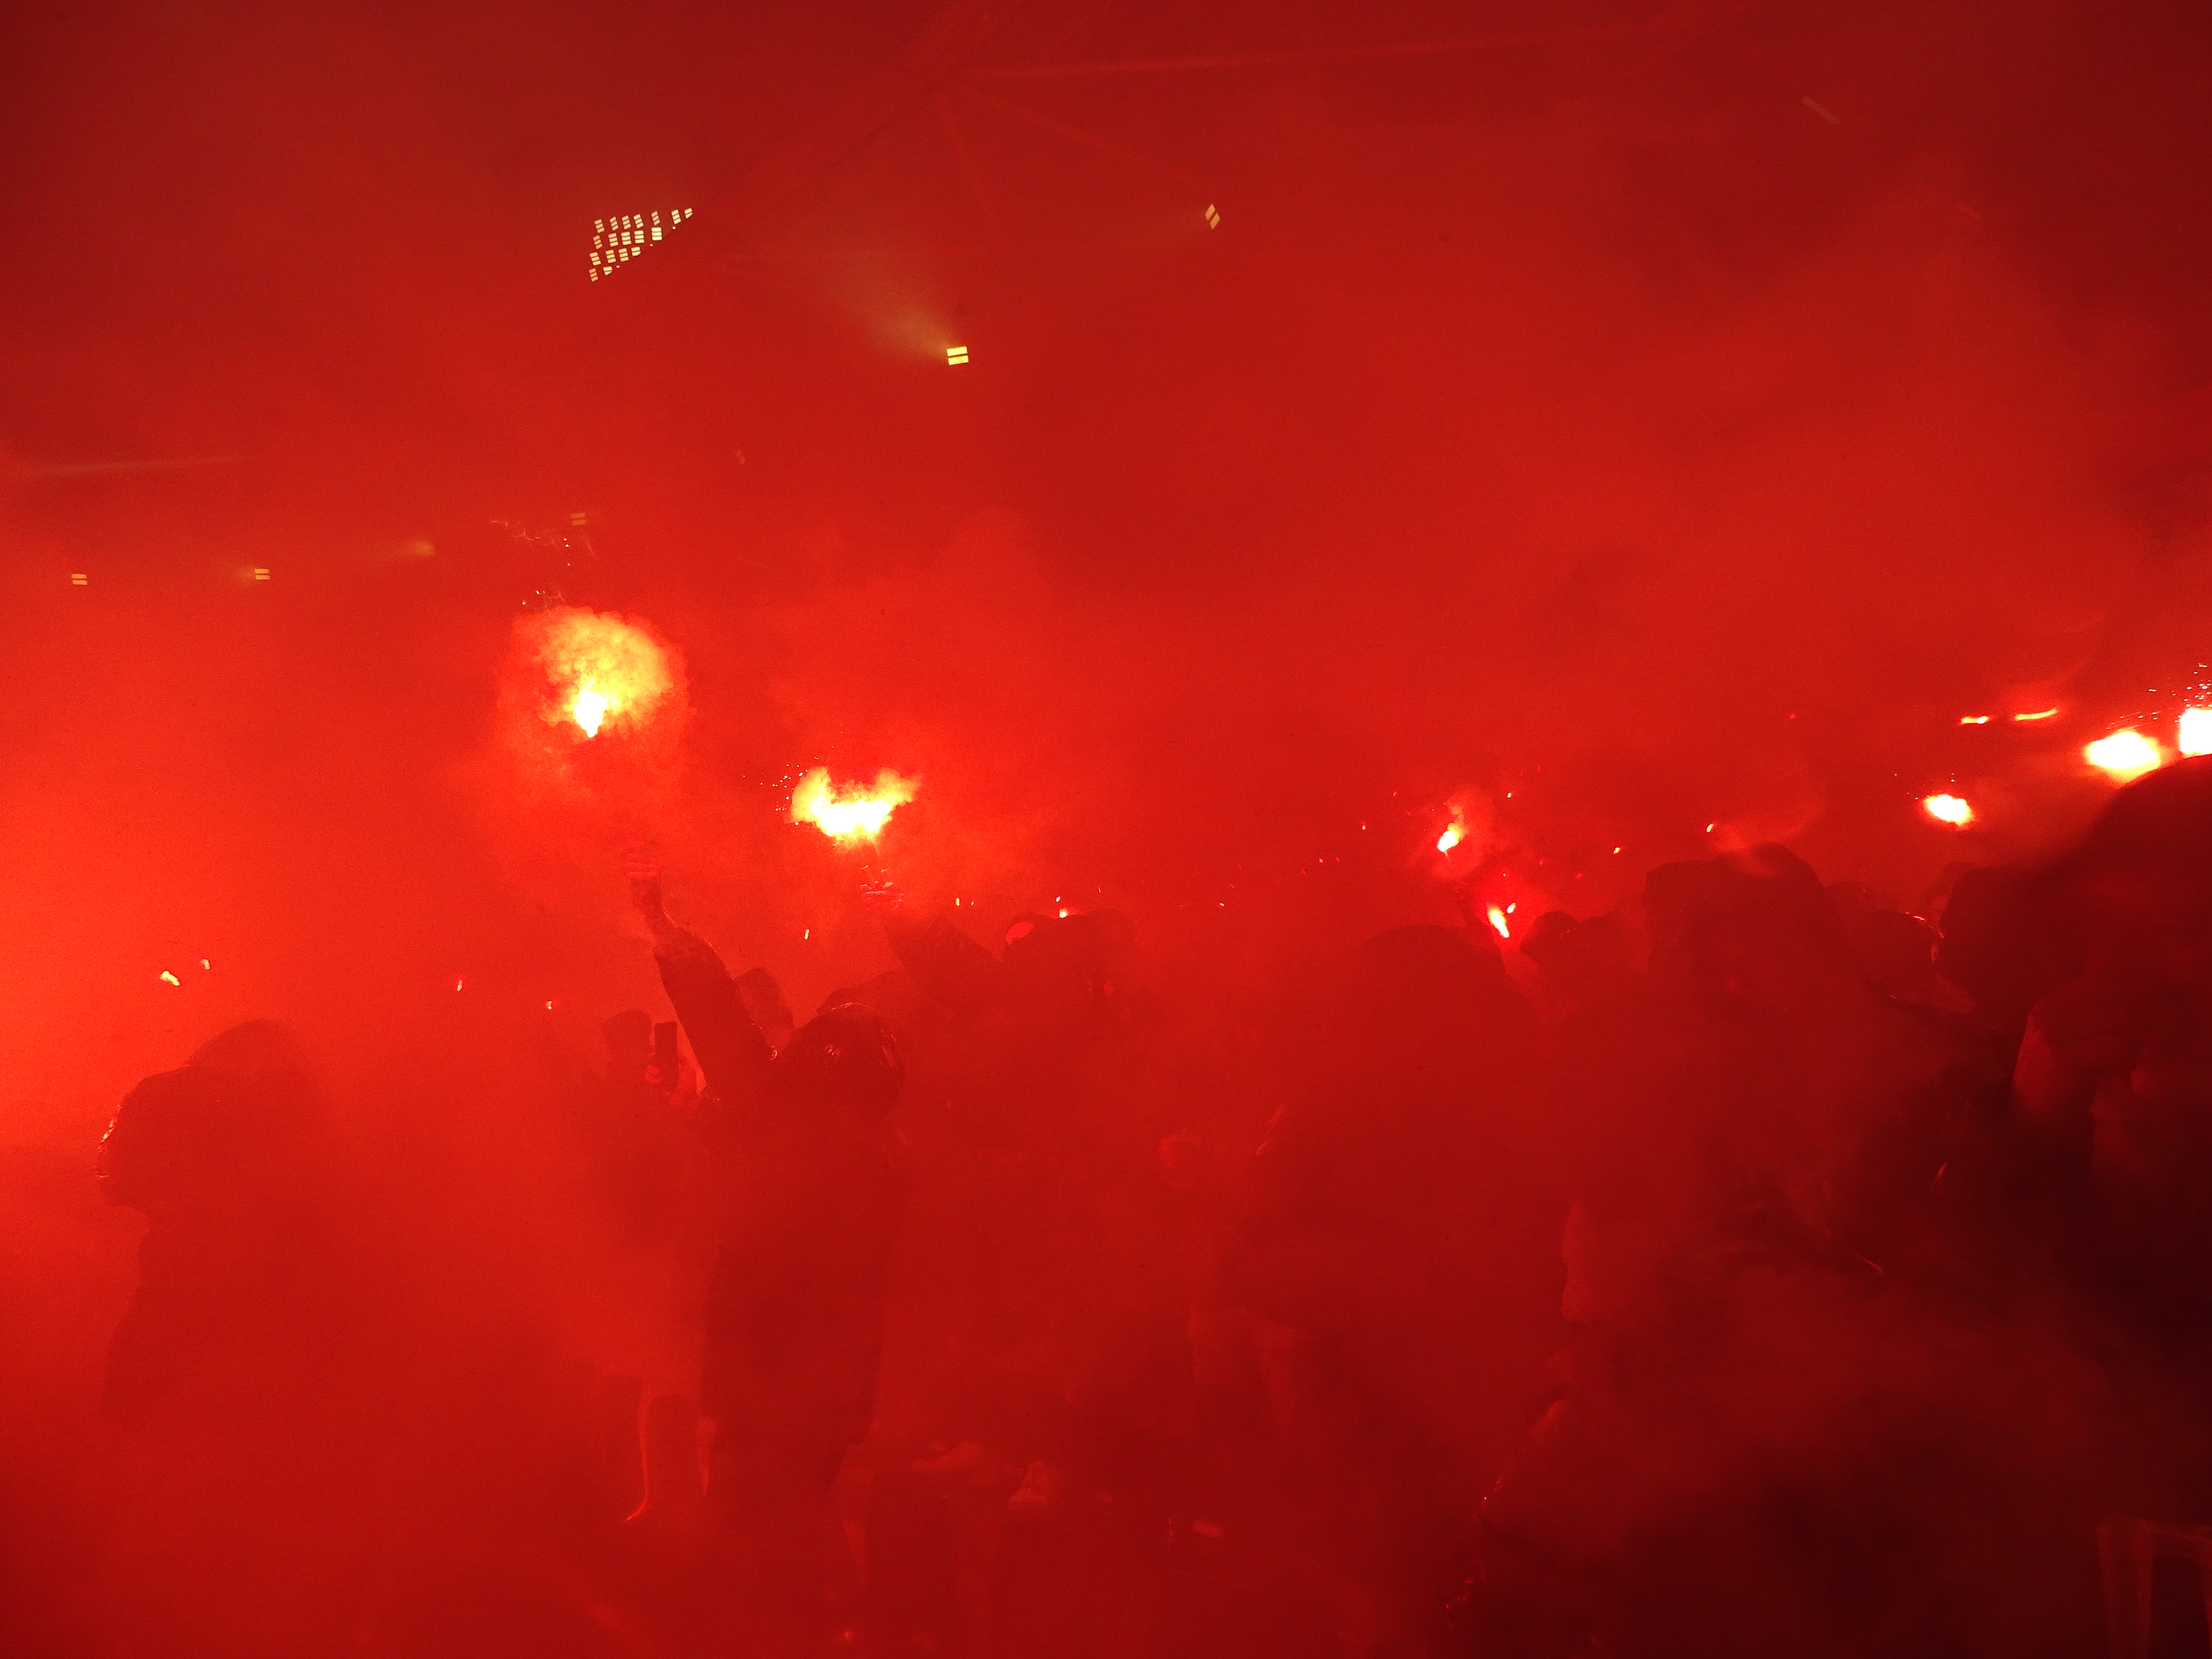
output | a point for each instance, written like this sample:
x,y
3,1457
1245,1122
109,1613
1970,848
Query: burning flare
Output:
x,y
1949,809
1498,922
2122,756
854,812
1452,836
2194,737
602,667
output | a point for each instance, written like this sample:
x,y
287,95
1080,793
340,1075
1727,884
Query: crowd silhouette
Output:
x,y
1756,1269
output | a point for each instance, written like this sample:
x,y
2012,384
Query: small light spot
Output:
x,y
1973,720
203,962
260,573
168,978
2039,714
459,982
78,579
1213,216
955,354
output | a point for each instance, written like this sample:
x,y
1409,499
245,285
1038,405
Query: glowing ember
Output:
x,y
2194,737
1450,838
2039,714
1949,809
1498,921
2123,755
602,668
1973,720
852,813
168,978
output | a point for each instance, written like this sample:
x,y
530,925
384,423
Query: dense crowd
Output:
x,y
1754,1270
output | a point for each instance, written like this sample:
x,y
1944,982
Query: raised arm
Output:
x,y
733,1055
944,961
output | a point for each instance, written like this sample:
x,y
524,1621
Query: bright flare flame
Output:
x,y
1949,809
602,668
1449,839
2122,756
1498,921
2194,737
853,812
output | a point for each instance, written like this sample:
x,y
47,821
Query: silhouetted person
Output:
x,y
239,1369
1759,1129
795,1308
1074,1279
1404,1216
2106,1166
